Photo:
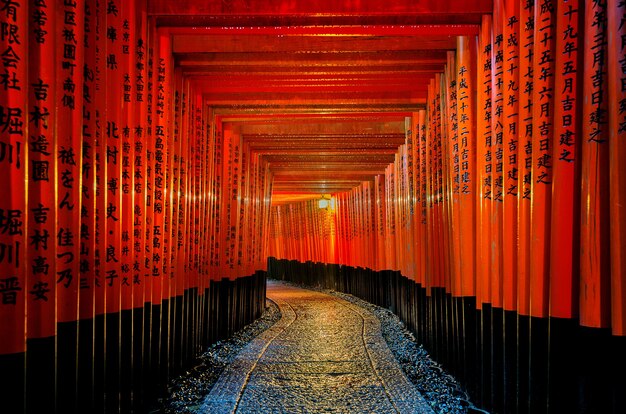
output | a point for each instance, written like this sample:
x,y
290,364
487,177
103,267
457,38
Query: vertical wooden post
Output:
x,y
69,100
40,280
617,162
14,233
595,279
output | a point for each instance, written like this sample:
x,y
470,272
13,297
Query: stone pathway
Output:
x,y
324,355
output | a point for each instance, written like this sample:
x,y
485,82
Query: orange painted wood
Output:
x,y
139,134
595,279
510,147
127,154
100,101
423,197
542,158
390,224
449,109
432,257
218,189
617,163
380,221
617,135
226,205
161,131
565,222
13,168
525,155
409,205
178,278
484,144
415,196
467,139
497,153
88,223
436,186
40,284
367,7
445,227
112,141
69,101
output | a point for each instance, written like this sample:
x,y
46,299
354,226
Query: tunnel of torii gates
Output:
x,y
159,159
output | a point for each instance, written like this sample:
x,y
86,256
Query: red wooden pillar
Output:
x,y
390,230
510,183
543,132
467,187
219,189
69,100
497,158
510,146
565,224
423,198
40,283
541,188
527,18
450,109
484,157
140,269
409,168
483,165
126,187
565,219
617,163
379,183
100,168
415,184
161,131
113,136
88,245
595,271
439,234
14,290
444,197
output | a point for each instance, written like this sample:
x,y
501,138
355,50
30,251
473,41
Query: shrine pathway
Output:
x,y
324,355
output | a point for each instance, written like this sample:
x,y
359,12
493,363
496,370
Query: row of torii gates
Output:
x,y
471,159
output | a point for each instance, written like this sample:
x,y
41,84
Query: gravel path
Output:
x,y
440,390
324,355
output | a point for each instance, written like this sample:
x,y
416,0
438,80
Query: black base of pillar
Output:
x,y
126,359
40,375
67,367
12,367
112,362
497,360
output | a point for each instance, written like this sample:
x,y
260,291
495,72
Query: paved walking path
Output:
x,y
324,355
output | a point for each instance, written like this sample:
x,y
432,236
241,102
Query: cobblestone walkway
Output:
x,y
324,355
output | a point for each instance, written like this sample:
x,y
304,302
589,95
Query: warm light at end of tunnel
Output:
x,y
327,202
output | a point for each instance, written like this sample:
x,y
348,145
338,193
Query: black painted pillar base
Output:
x,y
497,359
99,362
12,367
485,357
539,369
86,365
67,366
112,363
510,362
126,360
137,397
40,375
